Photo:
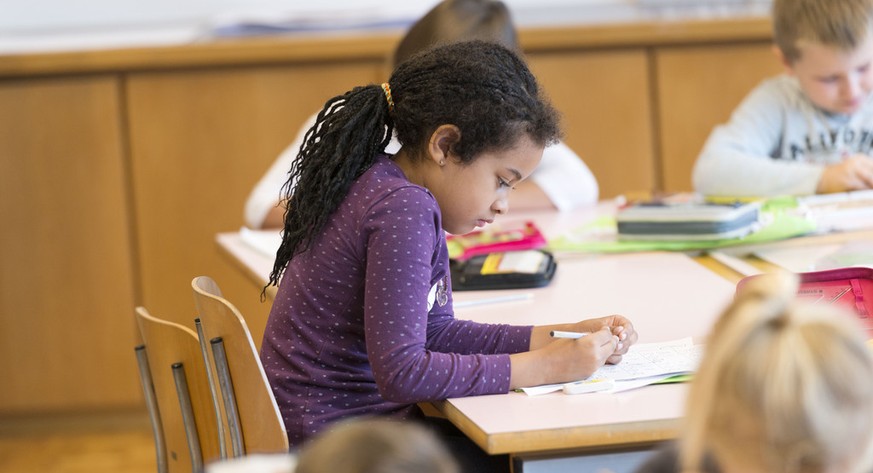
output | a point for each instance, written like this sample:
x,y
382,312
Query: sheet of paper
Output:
x,y
652,359
796,259
842,211
629,384
265,241
802,259
644,364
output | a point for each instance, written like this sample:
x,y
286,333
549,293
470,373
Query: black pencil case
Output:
x,y
504,270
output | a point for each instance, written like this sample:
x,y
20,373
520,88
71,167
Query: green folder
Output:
x,y
783,222
679,378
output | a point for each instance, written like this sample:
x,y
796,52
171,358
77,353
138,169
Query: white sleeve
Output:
x,y
265,195
737,157
565,178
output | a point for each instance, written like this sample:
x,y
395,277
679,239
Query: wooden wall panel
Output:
x,y
200,140
117,169
697,88
66,279
603,97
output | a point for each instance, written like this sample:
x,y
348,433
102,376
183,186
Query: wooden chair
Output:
x,y
187,435
254,422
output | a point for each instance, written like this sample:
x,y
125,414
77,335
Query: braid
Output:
x,y
349,132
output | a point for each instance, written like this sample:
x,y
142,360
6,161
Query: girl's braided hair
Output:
x,y
483,88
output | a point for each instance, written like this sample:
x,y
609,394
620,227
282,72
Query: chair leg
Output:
x,y
230,406
188,417
148,391
222,442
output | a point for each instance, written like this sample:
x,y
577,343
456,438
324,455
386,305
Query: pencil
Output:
x,y
562,334
493,300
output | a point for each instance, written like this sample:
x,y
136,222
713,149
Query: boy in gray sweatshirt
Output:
x,y
809,130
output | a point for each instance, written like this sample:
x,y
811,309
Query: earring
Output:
x,y
442,162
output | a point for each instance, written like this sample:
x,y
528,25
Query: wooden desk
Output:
x,y
685,293
666,295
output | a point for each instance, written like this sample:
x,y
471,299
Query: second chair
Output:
x,y
177,394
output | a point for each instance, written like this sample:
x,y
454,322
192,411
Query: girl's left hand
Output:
x,y
620,326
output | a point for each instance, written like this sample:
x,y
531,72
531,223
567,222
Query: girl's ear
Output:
x,y
441,143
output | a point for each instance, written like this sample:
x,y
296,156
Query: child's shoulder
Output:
x,y
781,91
781,85
781,82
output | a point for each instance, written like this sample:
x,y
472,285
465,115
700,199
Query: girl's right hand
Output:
x,y
563,360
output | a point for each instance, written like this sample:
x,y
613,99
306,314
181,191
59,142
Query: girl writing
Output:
x,y
362,322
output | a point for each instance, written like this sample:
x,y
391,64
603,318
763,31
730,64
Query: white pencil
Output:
x,y
562,334
493,300
732,262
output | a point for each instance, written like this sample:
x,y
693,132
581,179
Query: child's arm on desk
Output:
x,y
852,174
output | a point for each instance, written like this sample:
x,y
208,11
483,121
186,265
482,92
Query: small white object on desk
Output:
x,y
493,300
732,262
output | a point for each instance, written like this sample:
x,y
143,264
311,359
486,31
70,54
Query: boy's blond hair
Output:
x,y
838,23
784,386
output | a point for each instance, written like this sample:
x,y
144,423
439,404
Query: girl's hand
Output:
x,y
618,325
575,359
563,360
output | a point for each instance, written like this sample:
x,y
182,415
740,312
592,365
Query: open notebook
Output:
x,y
644,364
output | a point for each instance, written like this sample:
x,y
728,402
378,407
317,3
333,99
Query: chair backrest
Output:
x,y
182,393
250,397
148,391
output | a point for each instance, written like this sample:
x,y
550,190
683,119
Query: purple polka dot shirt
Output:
x,y
362,323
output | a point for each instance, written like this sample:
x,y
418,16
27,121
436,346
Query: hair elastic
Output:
x,y
387,89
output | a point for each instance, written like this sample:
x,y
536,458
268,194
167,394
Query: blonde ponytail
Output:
x,y
784,386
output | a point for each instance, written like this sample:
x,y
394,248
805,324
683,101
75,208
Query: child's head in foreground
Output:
x,y
827,45
376,446
785,386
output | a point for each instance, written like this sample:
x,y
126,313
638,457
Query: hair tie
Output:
x,y
387,89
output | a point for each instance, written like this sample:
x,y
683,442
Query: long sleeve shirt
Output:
x,y
363,323
778,142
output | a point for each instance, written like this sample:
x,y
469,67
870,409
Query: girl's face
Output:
x,y
472,195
